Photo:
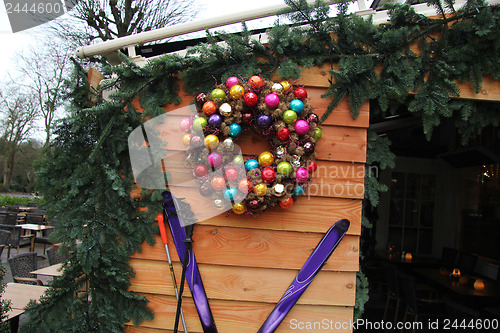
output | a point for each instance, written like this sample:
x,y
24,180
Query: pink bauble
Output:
x,y
214,160
272,101
231,81
185,124
231,174
302,175
301,127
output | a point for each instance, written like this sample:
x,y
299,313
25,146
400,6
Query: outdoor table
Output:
x,y
33,228
20,295
464,293
54,270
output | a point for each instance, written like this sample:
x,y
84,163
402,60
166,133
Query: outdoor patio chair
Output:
x,y
55,257
10,218
44,239
393,290
34,218
21,265
416,306
448,257
4,237
467,262
16,239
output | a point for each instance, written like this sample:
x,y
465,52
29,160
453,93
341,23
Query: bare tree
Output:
x,y
109,19
19,113
44,70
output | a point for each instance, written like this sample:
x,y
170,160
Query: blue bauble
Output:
x,y
264,121
297,105
235,130
299,190
251,164
215,120
230,194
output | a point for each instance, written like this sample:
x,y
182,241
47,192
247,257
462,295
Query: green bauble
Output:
x,y
218,94
284,169
238,159
318,133
199,123
290,117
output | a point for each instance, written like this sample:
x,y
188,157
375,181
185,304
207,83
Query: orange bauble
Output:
x,y
287,203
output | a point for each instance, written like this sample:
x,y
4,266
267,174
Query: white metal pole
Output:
x,y
179,29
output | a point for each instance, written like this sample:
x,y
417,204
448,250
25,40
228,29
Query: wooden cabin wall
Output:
x,y
247,262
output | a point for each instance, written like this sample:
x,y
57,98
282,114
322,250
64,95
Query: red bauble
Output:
x,y
300,93
201,98
231,174
200,170
312,167
255,81
287,203
268,175
283,134
251,99
209,108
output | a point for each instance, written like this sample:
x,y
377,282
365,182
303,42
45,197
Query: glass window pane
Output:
x,y
425,241
410,240
427,214
396,215
398,185
411,213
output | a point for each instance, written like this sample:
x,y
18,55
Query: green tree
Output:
x,y
19,113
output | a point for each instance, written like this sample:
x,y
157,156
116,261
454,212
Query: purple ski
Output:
x,y
313,265
171,206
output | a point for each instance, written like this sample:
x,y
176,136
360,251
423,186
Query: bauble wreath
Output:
x,y
279,112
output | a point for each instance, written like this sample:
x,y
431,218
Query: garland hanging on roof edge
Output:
x,y
86,177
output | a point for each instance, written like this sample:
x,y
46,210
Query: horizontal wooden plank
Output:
x,y
341,115
309,214
243,317
259,248
246,283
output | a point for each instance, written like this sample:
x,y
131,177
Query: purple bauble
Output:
x,y
272,101
185,124
312,118
196,141
301,127
308,147
231,81
254,204
302,175
215,120
264,121
214,160
206,190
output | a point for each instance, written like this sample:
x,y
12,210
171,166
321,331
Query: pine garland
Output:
x,y
86,176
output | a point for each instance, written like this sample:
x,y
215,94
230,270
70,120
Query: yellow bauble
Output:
x,y
266,159
286,85
211,141
186,139
260,189
236,91
239,208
